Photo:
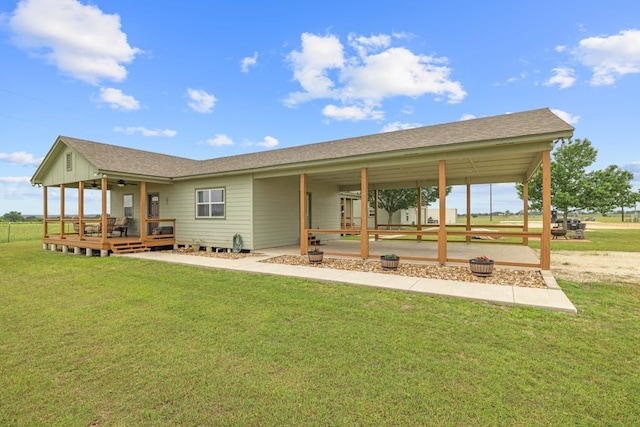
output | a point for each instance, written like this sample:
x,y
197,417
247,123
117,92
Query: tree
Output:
x,y
608,189
13,216
569,181
404,198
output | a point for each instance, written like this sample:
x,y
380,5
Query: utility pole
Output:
x,y
490,202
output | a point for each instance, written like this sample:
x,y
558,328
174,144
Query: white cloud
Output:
x,y
610,57
248,61
15,179
21,158
353,112
571,119
390,127
364,45
564,77
130,130
268,142
407,110
118,100
467,117
220,140
374,71
80,40
311,66
201,101
634,168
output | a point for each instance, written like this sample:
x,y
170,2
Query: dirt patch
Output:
x,y
607,267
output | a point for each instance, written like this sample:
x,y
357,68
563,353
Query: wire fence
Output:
x,y
20,231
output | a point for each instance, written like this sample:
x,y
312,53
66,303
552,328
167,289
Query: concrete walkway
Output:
x,y
551,298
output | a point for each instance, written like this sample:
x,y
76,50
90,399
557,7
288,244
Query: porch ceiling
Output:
x,y
479,167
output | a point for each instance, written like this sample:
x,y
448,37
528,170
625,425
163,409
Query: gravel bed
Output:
x,y
225,255
501,276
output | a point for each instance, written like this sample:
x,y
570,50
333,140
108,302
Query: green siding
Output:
x,y
277,210
81,169
178,201
276,213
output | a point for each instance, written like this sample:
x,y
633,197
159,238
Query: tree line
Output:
x,y
573,188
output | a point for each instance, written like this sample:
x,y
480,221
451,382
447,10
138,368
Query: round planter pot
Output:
x,y
481,268
389,264
315,257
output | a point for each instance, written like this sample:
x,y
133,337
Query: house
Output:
x,y
277,197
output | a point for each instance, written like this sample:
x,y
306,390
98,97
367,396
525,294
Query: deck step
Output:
x,y
129,247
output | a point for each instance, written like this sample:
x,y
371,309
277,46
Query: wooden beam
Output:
x,y
468,227
304,240
45,205
442,230
525,209
364,208
62,211
375,212
143,210
419,218
81,210
545,239
104,219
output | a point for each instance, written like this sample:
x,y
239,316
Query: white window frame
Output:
x,y
209,203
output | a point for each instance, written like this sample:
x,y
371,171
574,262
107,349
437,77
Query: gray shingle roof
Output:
x,y
496,128
128,160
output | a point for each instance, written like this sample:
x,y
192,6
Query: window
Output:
x,y
210,203
69,162
127,203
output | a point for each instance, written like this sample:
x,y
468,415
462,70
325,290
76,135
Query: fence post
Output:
x,y
9,233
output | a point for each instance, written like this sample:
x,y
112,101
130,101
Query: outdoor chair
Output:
x,y
121,225
579,231
95,227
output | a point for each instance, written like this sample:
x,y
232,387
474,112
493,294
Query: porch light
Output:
x,y
120,183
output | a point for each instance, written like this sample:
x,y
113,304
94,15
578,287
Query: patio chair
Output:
x,y
579,232
121,225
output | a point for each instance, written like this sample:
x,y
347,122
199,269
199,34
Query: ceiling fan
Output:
x,y
122,183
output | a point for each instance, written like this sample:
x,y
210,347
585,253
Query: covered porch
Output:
x,y
88,235
504,149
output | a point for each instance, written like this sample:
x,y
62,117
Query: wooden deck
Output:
x,y
114,244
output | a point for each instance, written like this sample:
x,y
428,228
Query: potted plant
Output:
x,y
315,255
390,261
481,266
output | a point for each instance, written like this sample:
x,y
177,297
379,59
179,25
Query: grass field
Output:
x,y
116,341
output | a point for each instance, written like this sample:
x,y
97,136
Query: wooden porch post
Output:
x,y
375,212
468,227
419,218
364,208
62,211
545,240
81,210
304,239
143,210
442,230
45,205
103,190
525,209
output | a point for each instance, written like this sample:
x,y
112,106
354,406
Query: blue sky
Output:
x,y
204,79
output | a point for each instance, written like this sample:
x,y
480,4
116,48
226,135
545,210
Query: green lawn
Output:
x,y
116,341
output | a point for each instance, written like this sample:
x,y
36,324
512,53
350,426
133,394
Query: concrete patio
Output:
x,y
552,298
